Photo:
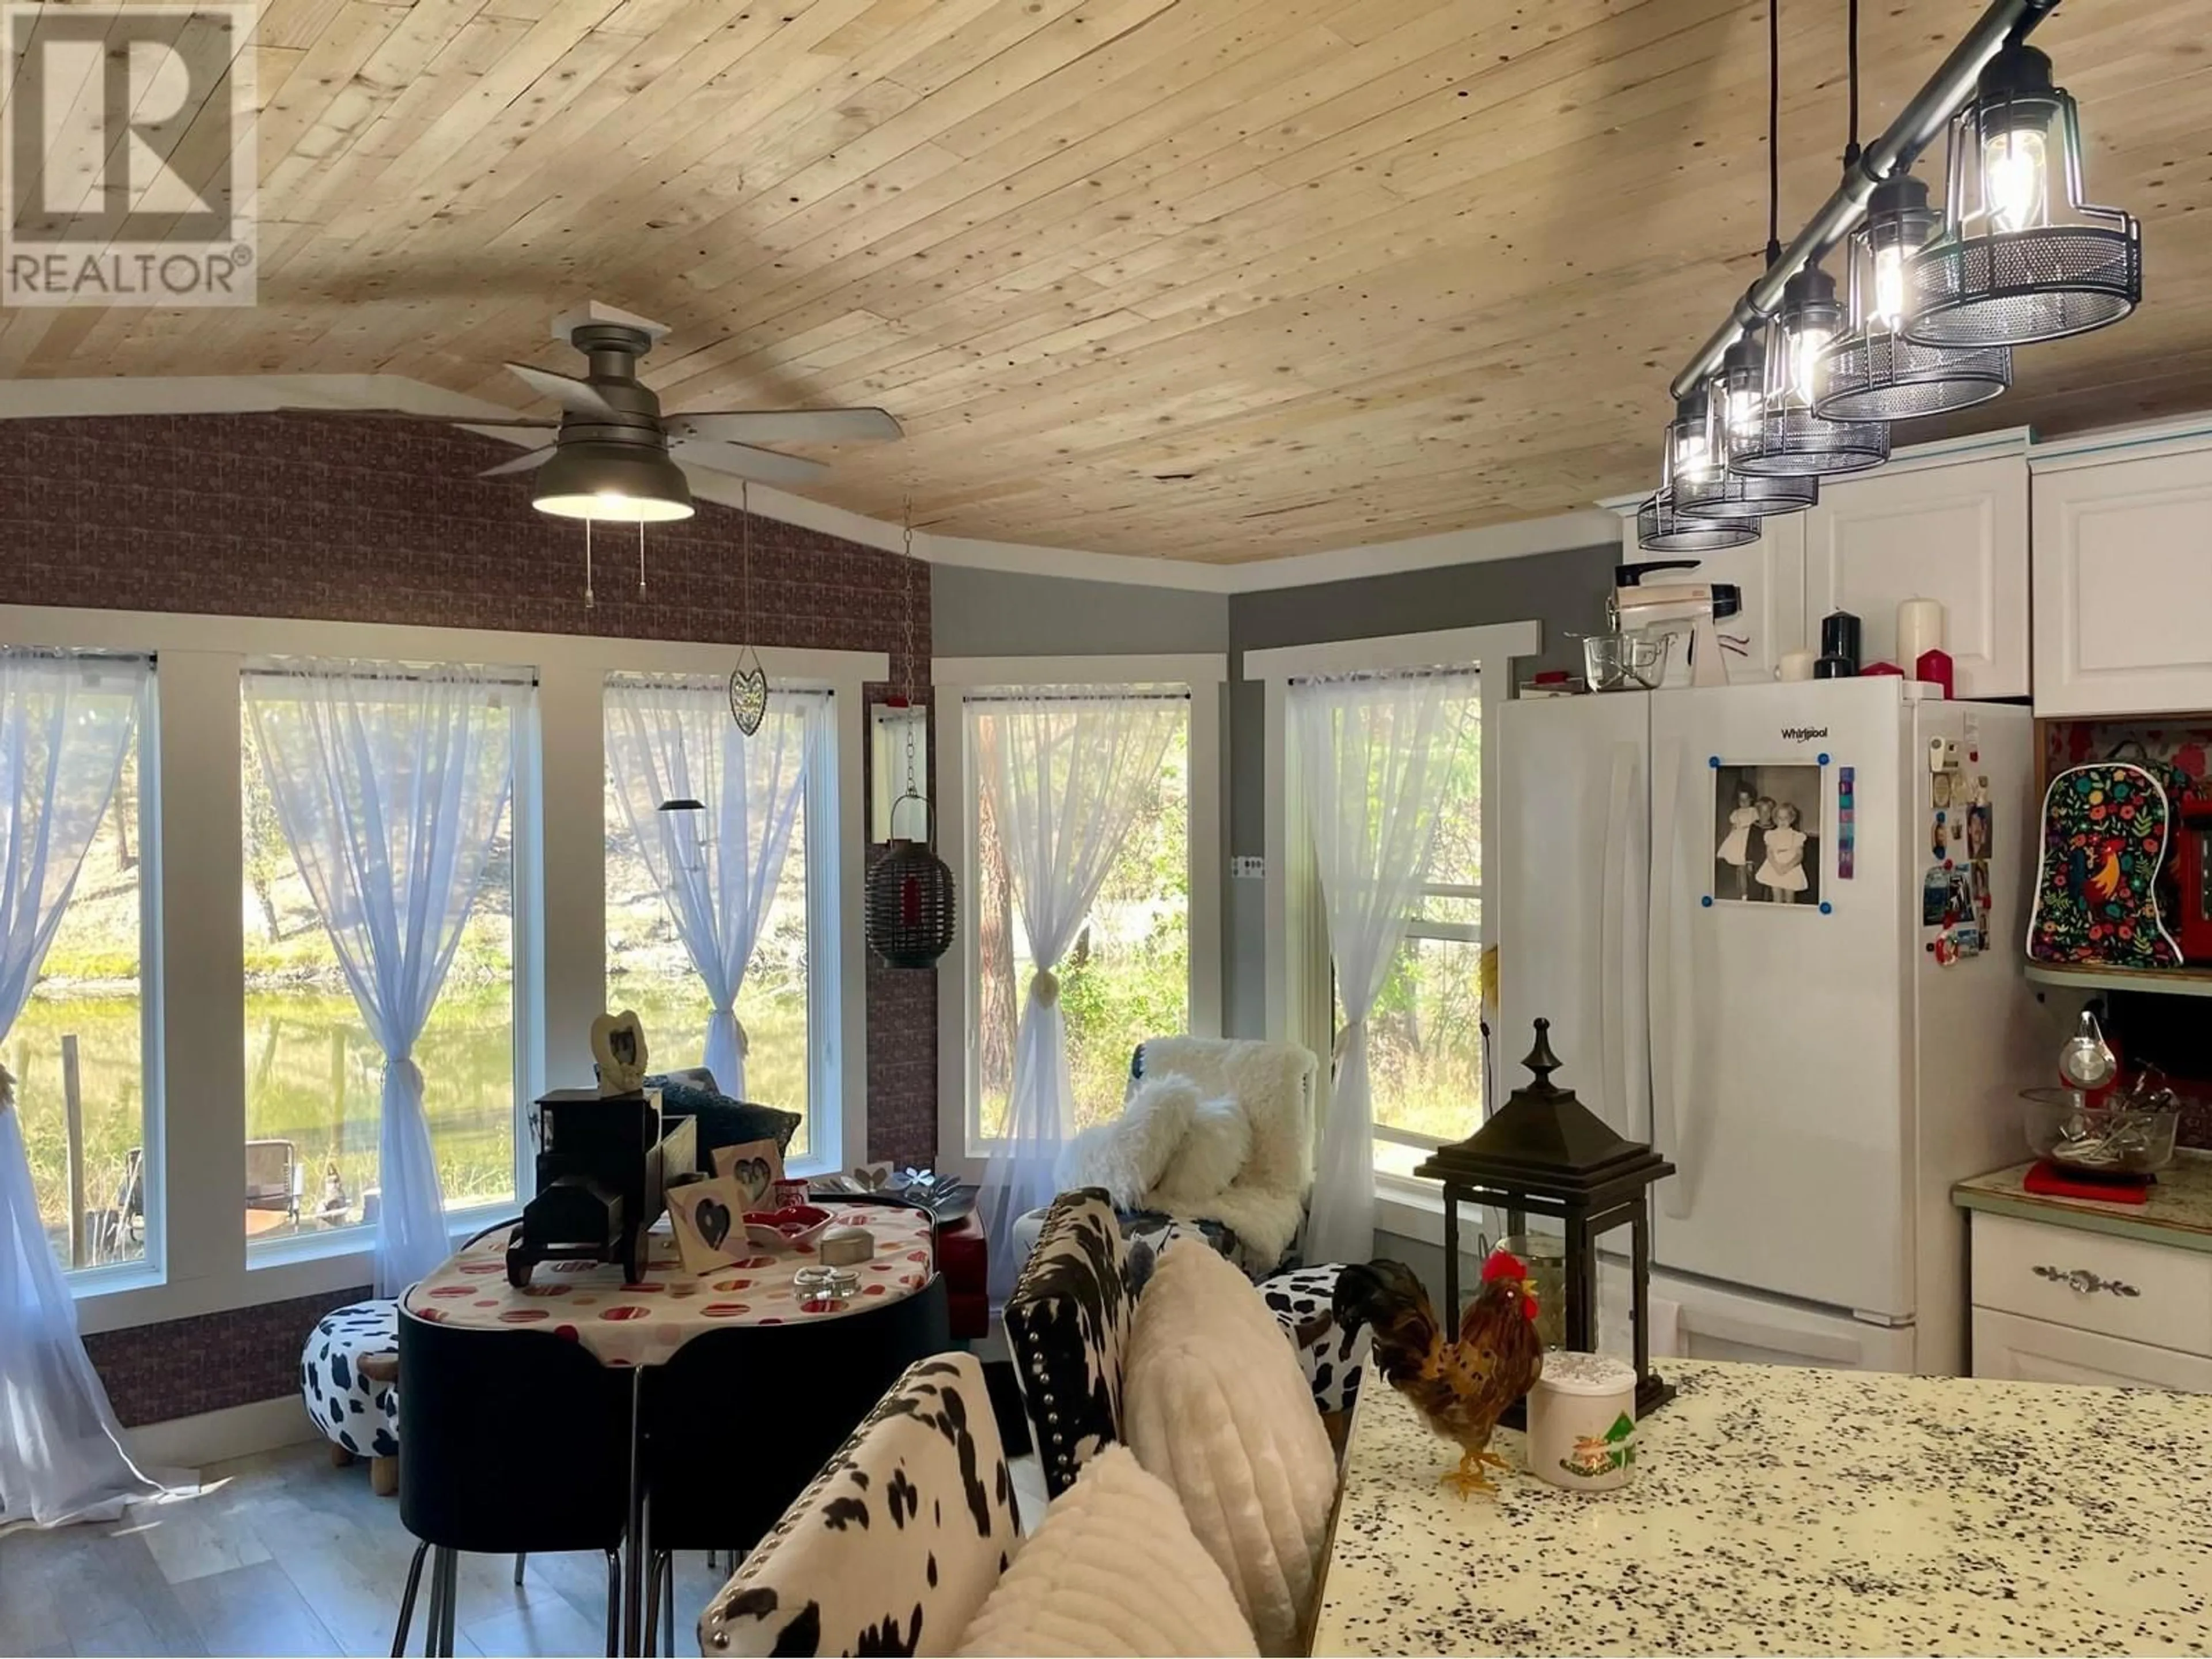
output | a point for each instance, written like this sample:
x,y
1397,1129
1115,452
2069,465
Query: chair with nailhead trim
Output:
x,y
1067,1323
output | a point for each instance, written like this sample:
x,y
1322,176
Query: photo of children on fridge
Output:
x,y
1767,835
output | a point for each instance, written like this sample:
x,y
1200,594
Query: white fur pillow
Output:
x,y
1113,1570
1213,1151
1127,1156
1214,1403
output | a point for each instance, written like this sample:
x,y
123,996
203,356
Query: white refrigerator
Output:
x,y
1721,900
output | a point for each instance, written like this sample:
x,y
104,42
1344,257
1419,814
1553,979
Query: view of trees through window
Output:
x,y
88,998
1126,977
314,1074
648,971
1424,1037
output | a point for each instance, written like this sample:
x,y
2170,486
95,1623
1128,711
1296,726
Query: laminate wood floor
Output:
x,y
281,1553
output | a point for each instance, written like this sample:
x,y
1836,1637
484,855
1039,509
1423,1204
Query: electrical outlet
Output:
x,y
1247,868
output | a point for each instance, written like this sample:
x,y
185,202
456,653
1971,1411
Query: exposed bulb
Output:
x,y
1888,312
1746,405
1692,459
1806,345
2014,175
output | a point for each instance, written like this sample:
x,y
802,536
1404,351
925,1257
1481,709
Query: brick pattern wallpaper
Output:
x,y
183,1367
364,521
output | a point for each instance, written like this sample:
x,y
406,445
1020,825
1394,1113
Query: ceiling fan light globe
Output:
x,y
620,483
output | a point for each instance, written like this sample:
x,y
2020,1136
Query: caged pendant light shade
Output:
x,y
2020,256
1791,439
1872,372
1735,496
1660,529
1696,451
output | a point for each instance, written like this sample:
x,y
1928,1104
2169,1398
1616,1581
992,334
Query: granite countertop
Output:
x,y
2179,1212
1780,1511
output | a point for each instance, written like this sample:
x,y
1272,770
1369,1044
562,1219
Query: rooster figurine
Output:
x,y
1461,1386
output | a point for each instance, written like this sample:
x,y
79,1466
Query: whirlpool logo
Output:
x,y
1802,733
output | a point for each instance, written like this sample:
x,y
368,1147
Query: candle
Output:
x,y
1919,628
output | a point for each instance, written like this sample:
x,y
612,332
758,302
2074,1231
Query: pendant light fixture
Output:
x,y
1732,495
908,912
1873,372
748,679
1789,439
2020,256
1696,452
1660,529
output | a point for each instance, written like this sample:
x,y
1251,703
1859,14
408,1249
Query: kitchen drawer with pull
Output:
x,y
2094,1282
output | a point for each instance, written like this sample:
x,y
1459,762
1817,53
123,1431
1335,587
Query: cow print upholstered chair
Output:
x,y
1067,1323
896,1543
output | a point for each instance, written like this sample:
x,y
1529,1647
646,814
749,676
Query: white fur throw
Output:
x,y
1213,1153
1113,1570
1128,1155
1213,1402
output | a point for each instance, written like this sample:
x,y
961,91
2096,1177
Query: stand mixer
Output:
x,y
1670,608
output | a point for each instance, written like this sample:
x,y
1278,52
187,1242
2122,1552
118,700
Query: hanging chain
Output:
x,y
588,600
746,563
911,707
640,558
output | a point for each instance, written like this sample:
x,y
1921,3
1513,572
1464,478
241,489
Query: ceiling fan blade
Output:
x,y
788,426
742,461
577,396
529,461
409,415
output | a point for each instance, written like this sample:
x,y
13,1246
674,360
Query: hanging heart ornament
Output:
x,y
748,693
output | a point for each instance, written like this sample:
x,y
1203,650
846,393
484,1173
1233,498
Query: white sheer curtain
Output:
x,y
390,782
1067,769
1373,755
65,725
670,739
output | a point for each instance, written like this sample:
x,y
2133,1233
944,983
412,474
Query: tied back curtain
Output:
x,y
670,739
1066,770
390,783
65,726
1374,753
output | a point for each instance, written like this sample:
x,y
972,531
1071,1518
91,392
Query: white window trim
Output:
x,y
951,677
198,937
1300,994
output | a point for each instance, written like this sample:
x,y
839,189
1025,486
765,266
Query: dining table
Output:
x,y
636,1324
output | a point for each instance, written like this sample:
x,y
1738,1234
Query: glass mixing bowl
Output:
x,y
2123,1138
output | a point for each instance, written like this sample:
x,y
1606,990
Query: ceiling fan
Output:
x,y
614,456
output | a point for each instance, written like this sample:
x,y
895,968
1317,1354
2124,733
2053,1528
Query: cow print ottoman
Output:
x,y
358,1416
1333,1357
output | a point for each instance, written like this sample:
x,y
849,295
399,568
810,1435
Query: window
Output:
x,y
1424,1035
739,889
314,1071
1125,976
77,1050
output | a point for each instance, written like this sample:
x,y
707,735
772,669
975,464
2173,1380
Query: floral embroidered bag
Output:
x,y
2106,828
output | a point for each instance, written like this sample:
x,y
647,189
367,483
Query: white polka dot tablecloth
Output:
x,y
643,1322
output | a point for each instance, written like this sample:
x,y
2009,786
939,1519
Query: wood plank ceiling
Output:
x,y
1210,279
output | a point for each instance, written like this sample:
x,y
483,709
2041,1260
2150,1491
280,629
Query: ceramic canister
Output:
x,y
1582,1422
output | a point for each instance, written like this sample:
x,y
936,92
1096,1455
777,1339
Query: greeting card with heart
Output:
x,y
756,1166
708,1218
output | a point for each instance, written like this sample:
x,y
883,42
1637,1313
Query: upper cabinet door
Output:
x,y
1771,572
2123,604
1957,533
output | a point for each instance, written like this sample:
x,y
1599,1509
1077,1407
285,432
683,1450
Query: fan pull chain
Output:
x,y
588,600
640,558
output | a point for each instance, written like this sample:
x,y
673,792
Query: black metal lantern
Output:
x,y
1660,529
2020,256
1871,371
1788,439
909,914
1545,1153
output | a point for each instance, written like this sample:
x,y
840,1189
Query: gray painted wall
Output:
x,y
1563,591
997,613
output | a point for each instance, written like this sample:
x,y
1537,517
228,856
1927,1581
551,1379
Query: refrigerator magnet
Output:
x,y
1935,897
1942,788
1978,832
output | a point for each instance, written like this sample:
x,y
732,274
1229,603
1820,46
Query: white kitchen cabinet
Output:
x,y
2123,608
2008,1346
1957,533
1771,572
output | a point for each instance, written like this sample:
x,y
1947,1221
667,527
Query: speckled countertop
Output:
x,y
1776,1511
2178,1213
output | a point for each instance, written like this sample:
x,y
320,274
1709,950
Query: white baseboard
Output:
x,y
193,1443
